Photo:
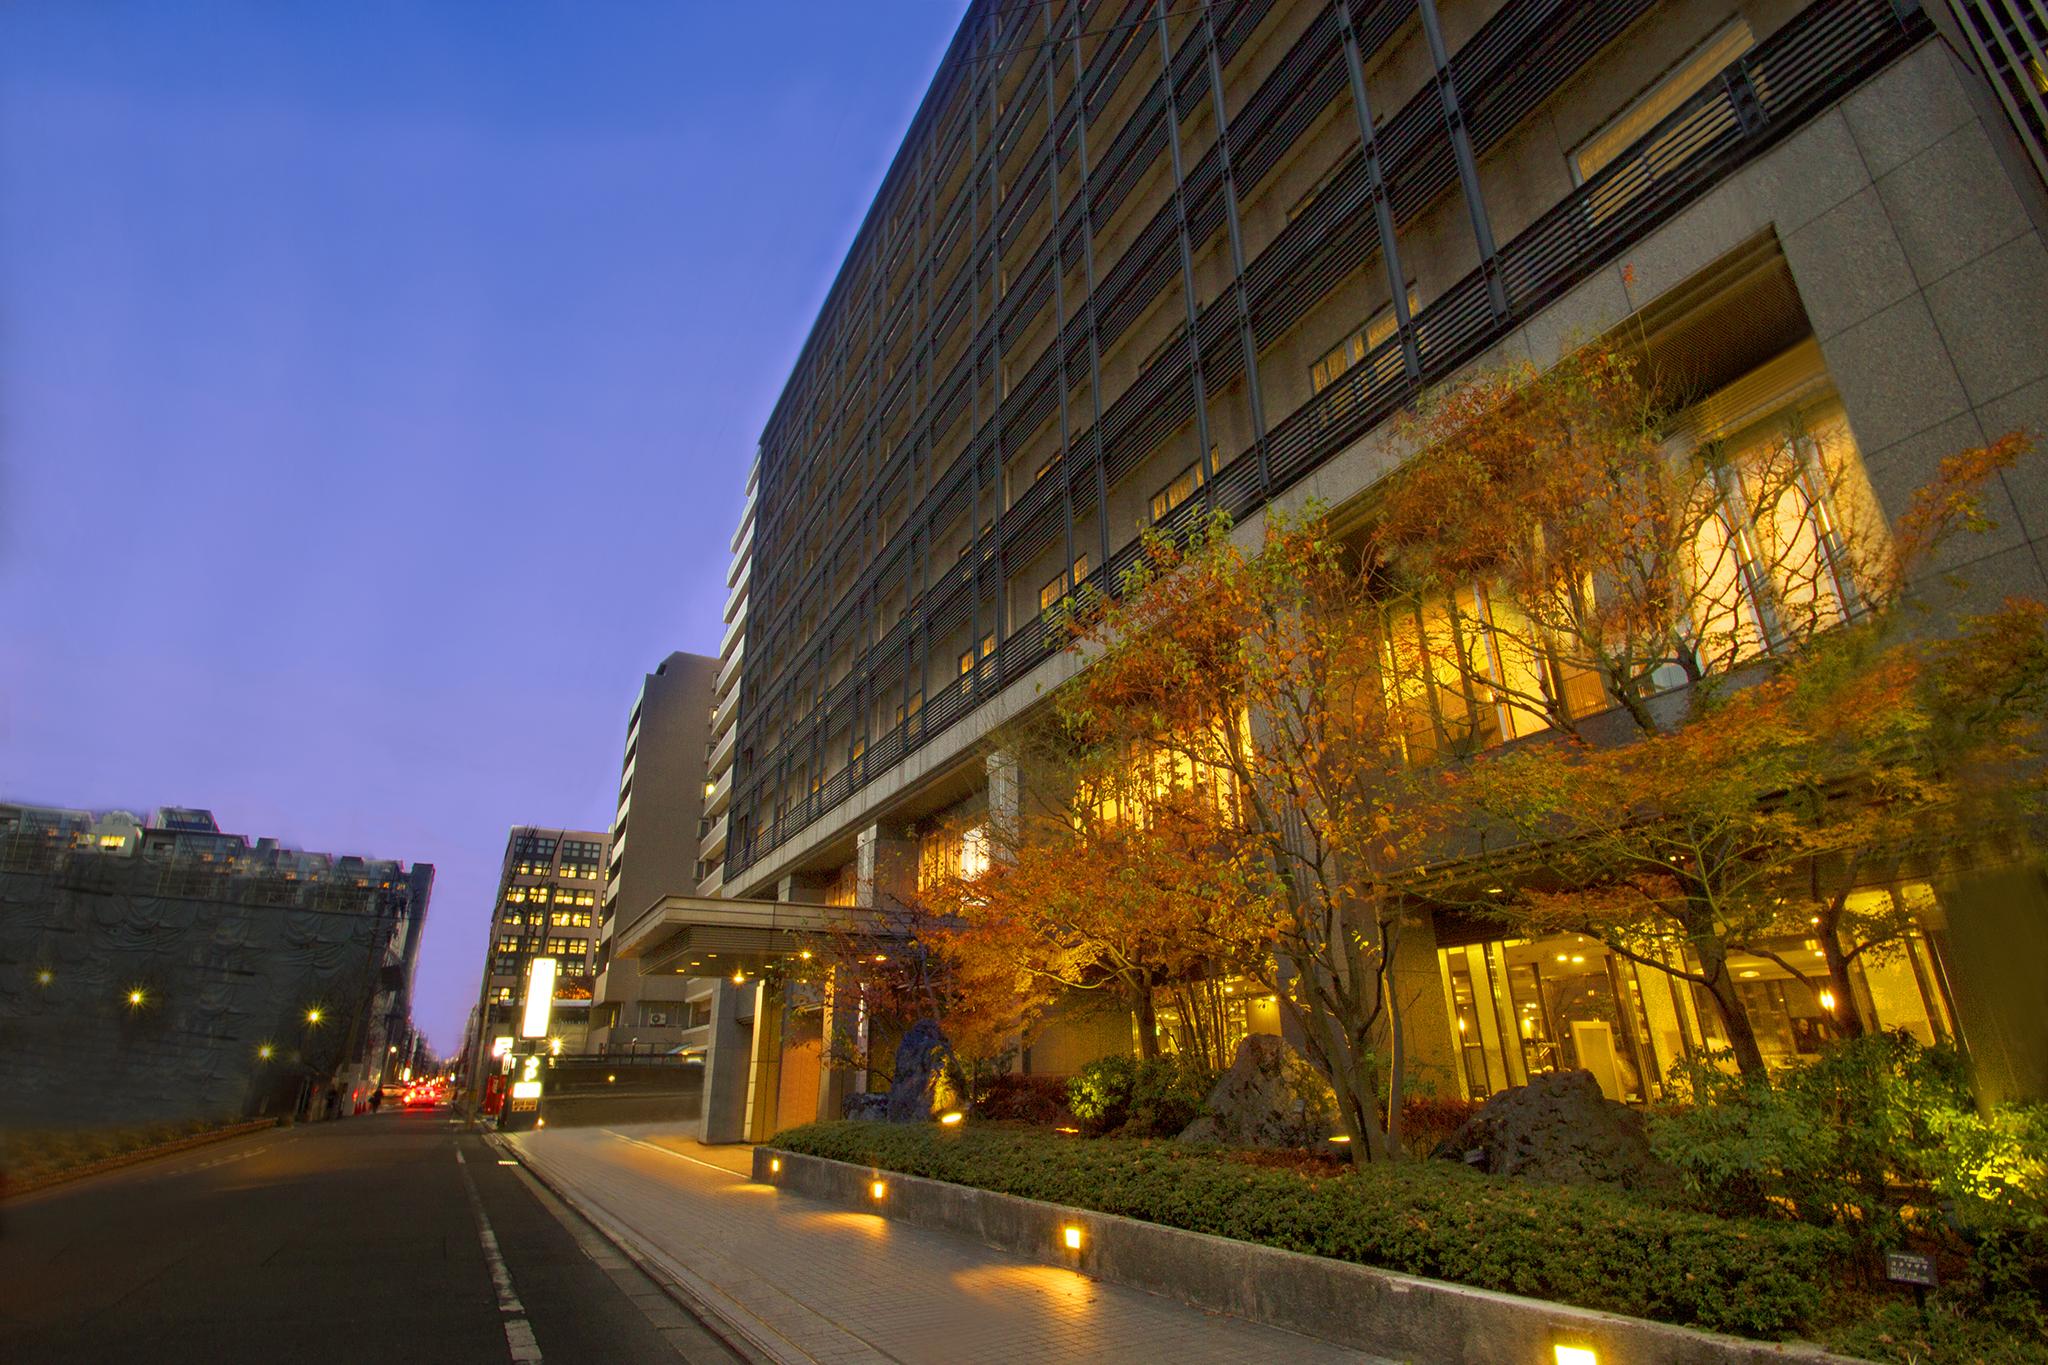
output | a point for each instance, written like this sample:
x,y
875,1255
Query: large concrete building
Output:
x,y
160,969
656,844
546,906
1134,261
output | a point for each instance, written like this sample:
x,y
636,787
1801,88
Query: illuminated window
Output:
x,y
966,662
1353,350
1056,588
988,645
1633,128
1178,491
1770,565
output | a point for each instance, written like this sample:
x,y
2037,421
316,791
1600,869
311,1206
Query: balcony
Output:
x,y
730,669
734,631
728,710
736,600
721,756
721,795
713,848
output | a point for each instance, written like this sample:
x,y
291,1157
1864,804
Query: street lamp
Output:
x,y
136,997
313,1016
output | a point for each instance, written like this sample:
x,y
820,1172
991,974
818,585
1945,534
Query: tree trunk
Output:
x,y
1749,1057
1147,1019
1846,1018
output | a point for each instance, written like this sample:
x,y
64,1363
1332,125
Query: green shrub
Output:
x,y
1594,1248
1100,1093
1879,1137
1154,1098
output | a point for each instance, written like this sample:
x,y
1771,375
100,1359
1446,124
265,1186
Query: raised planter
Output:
x,y
1379,1311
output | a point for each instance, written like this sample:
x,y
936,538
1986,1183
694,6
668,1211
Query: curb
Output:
x,y
13,1189
691,1292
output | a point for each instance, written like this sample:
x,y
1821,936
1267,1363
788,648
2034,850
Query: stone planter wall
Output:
x,y
1379,1311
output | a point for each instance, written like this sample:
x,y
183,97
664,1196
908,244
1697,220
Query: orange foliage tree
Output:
x,y
1092,886
1242,674
1747,610
1753,821
1568,532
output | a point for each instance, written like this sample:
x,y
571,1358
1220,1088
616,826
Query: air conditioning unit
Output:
x,y
657,1018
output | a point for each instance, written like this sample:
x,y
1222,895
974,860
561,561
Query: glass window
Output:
x,y
1633,124
1177,491
1353,349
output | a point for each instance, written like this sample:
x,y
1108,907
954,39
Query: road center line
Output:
x,y
512,1313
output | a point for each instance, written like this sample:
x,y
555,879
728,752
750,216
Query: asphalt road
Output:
x,y
398,1237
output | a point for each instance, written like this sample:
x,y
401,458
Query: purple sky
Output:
x,y
377,383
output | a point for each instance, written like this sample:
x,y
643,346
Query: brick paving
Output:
x,y
807,1281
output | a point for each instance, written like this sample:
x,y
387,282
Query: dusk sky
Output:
x,y
377,385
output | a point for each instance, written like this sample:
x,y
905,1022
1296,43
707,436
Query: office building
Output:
x,y
546,906
1136,261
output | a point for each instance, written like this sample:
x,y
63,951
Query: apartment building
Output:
x,y
1135,261
546,906
656,843
160,969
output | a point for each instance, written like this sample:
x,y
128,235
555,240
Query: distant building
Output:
x,y
546,906
657,837
163,969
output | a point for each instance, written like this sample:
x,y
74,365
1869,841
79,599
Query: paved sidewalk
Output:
x,y
806,1281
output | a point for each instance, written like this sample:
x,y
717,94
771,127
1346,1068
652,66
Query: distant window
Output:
x,y
1353,350
1634,124
1177,491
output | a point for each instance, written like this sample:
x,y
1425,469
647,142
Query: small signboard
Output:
x,y
522,1105
1906,1267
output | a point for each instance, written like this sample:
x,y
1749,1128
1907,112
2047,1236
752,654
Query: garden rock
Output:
x,y
920,1060
1558,1128
1270,1097
868,1105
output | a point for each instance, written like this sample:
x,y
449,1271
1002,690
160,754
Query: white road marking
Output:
x,y
458,1157
680,1156
512,1313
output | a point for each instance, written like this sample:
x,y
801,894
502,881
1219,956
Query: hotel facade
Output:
x,y
1135,261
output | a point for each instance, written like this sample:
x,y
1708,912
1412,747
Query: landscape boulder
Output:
x,y
1558,1128
1270,1097
866,1105
920,1061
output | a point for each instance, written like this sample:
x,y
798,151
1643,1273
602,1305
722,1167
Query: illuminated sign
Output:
x,y
540,997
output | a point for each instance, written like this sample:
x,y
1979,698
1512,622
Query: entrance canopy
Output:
x,y
708,936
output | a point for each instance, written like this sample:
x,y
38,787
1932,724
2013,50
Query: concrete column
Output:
x,y
764,1071
727,1064
841,1020
885,867
1005,798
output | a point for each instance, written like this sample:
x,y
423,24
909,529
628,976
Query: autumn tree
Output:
x,y
1587,548
879,970
1687,847
1242,675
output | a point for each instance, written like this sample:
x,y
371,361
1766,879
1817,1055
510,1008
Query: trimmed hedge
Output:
x,y
1582,1246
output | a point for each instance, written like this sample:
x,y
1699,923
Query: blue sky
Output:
x,y
377,384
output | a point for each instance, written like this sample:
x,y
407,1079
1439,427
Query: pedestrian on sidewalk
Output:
x,y
376,1099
